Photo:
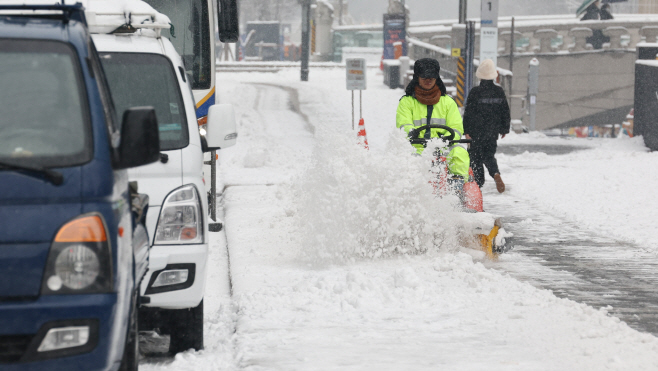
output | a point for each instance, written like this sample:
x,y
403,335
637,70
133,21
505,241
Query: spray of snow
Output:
x,y
356,203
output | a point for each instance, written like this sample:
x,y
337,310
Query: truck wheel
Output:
x,y
186,329
130,360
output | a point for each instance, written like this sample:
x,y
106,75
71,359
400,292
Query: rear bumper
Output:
x,y
163,257
24,324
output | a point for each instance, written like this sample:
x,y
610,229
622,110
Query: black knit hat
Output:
x,y
427,68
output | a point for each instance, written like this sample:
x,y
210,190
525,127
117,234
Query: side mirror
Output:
x,y
221,130
140,138
229,26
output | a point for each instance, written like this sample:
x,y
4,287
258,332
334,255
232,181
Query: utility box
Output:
x,y
646,104
647,51
392,73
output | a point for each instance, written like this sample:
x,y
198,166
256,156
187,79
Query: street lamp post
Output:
x,y
306,37
462,11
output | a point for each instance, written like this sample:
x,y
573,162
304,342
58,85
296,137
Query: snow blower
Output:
x,y
483,229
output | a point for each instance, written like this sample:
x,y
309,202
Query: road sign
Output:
x,y
489,31
489,44
489,13
356,73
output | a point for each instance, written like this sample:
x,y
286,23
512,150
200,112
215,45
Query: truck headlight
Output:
x,y
181,218
79,259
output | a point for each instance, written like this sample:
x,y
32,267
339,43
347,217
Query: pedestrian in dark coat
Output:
x,y
605,12
593,13
486,116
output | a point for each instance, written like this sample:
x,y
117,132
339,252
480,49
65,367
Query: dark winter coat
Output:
x,y
592,12
487,113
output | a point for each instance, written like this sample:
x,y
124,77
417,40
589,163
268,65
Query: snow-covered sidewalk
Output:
x,y
311,301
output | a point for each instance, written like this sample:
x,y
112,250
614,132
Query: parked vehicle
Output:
x,y
72,255
192,32
193,35
143,68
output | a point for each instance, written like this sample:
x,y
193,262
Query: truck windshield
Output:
x,y
140,79
190,33
44,117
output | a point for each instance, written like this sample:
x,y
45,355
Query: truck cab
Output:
x,y
72,251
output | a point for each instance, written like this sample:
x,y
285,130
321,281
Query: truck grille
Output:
x,y
12,347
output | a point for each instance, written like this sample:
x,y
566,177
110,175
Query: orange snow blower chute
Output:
x,y
472,194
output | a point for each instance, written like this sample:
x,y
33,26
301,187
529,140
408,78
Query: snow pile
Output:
x,y
105,16
354,202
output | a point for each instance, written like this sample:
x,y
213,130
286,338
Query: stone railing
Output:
x,y
419,49
556,34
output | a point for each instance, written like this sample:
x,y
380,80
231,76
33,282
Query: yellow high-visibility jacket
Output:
x,y
412,114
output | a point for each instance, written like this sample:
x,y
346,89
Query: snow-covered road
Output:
x,y
297,304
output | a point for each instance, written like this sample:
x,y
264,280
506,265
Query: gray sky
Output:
x,y
370,11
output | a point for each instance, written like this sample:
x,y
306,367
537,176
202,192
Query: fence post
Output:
x,y
533,90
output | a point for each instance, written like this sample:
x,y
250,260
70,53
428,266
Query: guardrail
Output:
x,y
420,49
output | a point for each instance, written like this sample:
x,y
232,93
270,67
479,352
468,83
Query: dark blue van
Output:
x,y
73,248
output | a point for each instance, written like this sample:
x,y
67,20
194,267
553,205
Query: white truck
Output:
x,y
144,69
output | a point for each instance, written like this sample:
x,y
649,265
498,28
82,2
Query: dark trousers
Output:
x,y
482,153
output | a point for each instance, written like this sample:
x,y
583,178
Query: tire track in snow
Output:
x,y
575,263
277,108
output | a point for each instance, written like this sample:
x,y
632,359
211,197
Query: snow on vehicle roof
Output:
x,y
106,16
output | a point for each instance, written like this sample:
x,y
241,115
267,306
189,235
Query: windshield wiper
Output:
x,y
52,176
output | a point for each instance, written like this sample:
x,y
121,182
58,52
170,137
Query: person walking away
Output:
x,y
606,14
486,116
425,97
593,13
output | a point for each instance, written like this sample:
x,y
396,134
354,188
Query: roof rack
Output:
x,y
112,18
68,12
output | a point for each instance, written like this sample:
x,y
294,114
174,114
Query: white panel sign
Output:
x,y
356,73
489,13
489,44
489,31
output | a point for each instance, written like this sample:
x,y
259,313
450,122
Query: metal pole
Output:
x,y
360,104
352,109
306,37
470,51
511,61
533,90
462,11
213,186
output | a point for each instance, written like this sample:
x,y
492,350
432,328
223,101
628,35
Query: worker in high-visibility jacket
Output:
x,y
426,92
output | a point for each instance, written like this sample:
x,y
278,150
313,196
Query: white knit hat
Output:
x,y
487,70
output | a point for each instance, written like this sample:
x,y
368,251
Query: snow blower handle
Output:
x,y
414,139
464,141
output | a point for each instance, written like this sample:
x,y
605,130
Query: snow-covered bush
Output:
x,y
354,203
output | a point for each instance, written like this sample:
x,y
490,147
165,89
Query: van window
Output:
x,y
141,79
44,118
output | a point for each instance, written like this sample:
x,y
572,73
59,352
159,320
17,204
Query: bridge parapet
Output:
x,y
639,28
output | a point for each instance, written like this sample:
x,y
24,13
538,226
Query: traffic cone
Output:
x,y
363,138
